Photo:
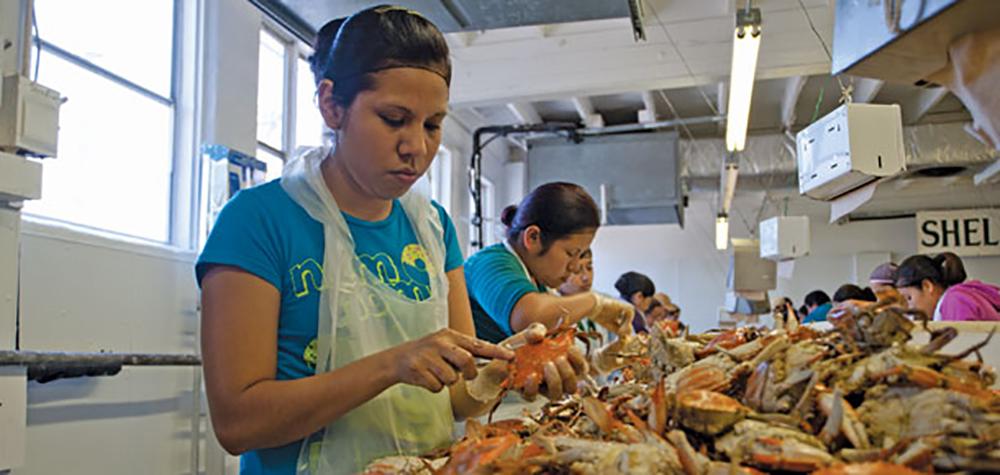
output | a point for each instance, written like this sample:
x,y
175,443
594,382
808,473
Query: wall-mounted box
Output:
x,y
29,117
784,237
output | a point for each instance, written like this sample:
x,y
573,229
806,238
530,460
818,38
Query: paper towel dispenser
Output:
x,y
634,178
850,147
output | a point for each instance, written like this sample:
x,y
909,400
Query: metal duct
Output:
x,y
767,160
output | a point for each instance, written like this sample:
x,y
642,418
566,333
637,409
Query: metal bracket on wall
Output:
x,y
49,366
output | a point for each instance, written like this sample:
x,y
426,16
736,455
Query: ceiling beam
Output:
x,y
525,112
922,102
865,89
650,111
793,89
585,109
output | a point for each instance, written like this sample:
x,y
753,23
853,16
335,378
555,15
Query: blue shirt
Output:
x,y
266,233
496,281
818,314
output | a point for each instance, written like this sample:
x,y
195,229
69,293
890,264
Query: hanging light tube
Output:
x,y
746,45
721,232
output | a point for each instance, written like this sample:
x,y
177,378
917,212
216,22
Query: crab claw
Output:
x,y
841,418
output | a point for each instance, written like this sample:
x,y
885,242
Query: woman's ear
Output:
x,y
531,239
333,113
926,286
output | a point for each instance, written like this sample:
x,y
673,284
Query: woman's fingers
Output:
x,y
530,390
578,360
461,360
481,348
441,370
553,383
566,374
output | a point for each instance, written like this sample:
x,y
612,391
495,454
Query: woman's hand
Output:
x,y
613,314
560,376
436,360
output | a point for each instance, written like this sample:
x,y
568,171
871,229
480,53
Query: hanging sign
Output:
x,y
971,232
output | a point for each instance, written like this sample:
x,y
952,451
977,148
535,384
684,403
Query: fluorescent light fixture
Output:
x,y
721,232
746,45
729,174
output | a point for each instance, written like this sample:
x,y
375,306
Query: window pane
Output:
x,y
271,91
131,39
274,163
114,164
308,121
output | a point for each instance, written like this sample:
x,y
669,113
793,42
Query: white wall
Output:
x,y
686,265
86,293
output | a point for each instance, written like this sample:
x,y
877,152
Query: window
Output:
x,y
490,233
436,182
287,114
115,162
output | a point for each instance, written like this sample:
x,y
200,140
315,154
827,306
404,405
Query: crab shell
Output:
x,y
529,359
473,453
527,364
871,468
709,412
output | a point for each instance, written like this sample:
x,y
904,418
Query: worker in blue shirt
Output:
x,y
547,234
336,326
818,303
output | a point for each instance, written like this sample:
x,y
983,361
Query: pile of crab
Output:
x,y
860,398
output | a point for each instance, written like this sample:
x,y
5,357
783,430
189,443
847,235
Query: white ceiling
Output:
x,y
685,60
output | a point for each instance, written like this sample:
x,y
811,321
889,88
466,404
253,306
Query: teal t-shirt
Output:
x,y
496,281
818,314
266,233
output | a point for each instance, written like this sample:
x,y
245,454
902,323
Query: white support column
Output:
x,y
650,112
229,110
585,109
525,112
922,102
793,89
865,89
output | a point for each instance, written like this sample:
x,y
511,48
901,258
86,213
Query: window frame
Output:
x,y
294,49
183,103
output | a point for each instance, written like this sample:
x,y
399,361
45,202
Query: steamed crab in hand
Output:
x,y
543,361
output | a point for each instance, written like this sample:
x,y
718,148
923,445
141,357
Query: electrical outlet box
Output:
x,y
29,117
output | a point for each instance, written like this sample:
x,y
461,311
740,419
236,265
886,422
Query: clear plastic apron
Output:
x,y
359,315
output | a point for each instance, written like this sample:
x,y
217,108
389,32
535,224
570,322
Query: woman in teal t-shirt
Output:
x,y
509,282
335,321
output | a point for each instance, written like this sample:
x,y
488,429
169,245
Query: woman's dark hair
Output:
x,y
321,47
558,209
379,38
817,298
945,269
631,282
853,292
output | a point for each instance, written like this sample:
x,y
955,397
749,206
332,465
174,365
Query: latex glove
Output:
x,y
614,314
